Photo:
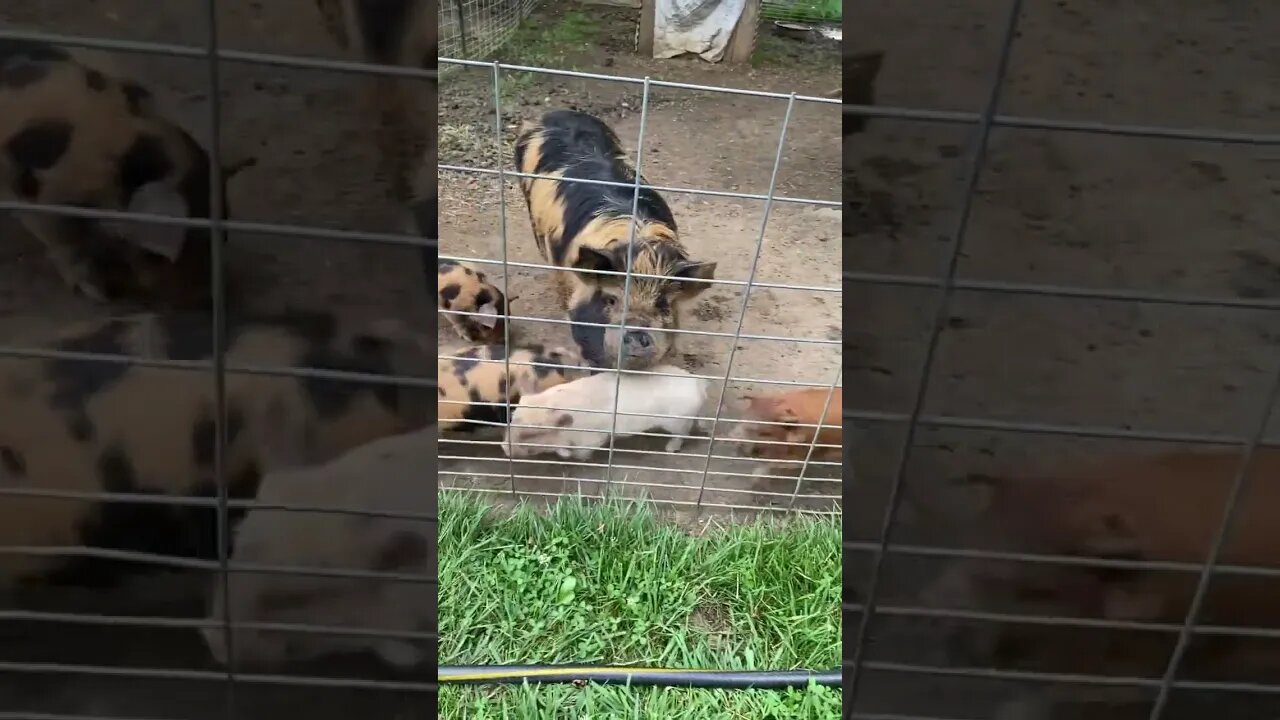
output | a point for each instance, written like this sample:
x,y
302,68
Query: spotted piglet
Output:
x,y
395,474
462,287
75,130
473,382
578,417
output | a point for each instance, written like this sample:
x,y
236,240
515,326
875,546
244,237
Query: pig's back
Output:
x,y
662,395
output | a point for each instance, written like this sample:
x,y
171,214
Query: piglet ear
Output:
x,y
157,198
760,404
488,316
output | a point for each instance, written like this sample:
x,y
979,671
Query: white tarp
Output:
x,y
694,26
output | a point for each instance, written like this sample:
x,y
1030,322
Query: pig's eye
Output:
x,y
609,300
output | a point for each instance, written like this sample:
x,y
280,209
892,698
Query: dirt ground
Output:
x,y
800,241
1081,210
315,164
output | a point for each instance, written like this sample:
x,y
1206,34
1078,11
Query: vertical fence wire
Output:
x,y
506,269
976,163
1229,512
817,434
746,300
626,287
218,339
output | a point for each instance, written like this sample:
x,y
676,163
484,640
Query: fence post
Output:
x,y
644,37
743,41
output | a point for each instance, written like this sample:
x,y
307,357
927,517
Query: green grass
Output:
x,y
537,43
610,584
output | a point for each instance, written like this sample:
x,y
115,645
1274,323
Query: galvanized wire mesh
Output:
x,y
474,29
863,606
684,487
805,11
217,369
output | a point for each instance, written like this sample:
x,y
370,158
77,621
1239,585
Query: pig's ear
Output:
x,y
563,419
787,414
761,403
749,404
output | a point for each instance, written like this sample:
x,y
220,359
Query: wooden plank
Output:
x,y
743,41
644,38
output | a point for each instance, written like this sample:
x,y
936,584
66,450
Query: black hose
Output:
x,y
635,676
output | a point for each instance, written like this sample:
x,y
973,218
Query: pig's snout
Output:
x,y
511,444
639,345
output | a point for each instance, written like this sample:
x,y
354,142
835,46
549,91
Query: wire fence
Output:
x,y
693,483
473,29
26,680
817,11
863,603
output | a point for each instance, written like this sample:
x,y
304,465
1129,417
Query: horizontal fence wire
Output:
x,y
1084,623
196,624
4,715
1051,559
1028,676
141,673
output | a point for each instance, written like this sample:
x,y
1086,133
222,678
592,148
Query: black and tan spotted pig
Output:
x,y
465,381
463,287
76,131
581,228
71,426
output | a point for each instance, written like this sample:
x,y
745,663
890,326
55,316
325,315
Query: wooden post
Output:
x,y
743,41
644,38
